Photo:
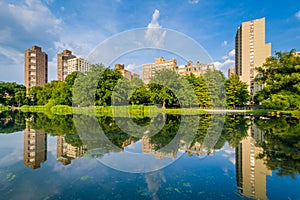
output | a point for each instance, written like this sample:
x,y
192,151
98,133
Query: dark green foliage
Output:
x,y
96,87
159,85
281,76
54,93
201,90
12,121
108,80
12,94
169,89
281,146
215,82
236,92
141,95
235,129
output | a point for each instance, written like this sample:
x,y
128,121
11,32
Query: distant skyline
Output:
x,y
81,25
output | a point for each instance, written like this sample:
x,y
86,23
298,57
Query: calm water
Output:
x,y
46,156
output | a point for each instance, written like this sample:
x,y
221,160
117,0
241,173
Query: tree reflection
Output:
x,y
235,129
12,121
281,145
280,138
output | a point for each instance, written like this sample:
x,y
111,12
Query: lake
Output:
x,y
47,156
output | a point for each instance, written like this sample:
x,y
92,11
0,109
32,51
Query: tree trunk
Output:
x,y
164,104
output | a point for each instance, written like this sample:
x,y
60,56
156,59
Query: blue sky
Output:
x,y
81,25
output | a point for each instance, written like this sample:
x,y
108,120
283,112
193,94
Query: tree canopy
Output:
x,y
281,76
12,94
236,92
101,85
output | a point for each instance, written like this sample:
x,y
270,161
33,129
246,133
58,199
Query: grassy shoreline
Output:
x,y
140,110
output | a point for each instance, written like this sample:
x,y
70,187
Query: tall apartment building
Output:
x,y
126,73
36,67
197,69
62,64
149,70
35,147
250,51
251,171
78,65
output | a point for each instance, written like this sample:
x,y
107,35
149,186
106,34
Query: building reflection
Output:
x,y
35,147
250,171
149,148
196,149
127,142
65,152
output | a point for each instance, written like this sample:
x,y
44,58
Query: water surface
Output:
x,y
44,156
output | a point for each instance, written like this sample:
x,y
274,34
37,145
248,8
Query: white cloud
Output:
x,y
23,24
224,43
11,158
232,53
194,1
131,67
13,149
13,55
225,57
154,34
232,160
227,62
298,15
33,16
229,153
49,1
5,35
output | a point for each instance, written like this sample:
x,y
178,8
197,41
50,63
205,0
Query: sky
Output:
x,y
81,26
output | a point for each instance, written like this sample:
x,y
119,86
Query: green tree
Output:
x,y
160,93
107,82
141,95
236,92
200,89
35,94
21,98
96,87
10,94
215,82
68,87
168,89
281,76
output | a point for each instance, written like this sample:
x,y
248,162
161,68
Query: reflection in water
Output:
x,y
250,171
147,147
196,149
260,146
154,181
66,152
128,142
35,147
281,145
